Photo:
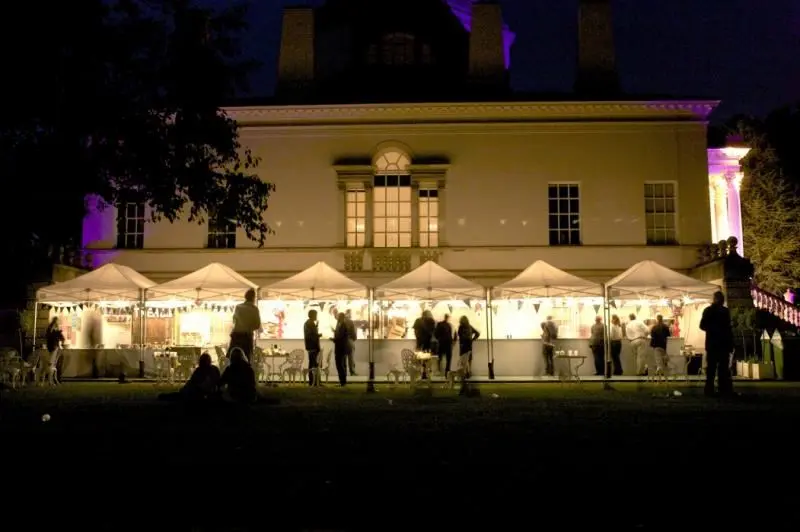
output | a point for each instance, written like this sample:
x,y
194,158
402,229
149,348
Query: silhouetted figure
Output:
x,y
615,335
246,321
202,386
597,342
466,335
549,337
424,327
54,339
341,347
716,322
239,378
311,338
658,341
444,340
352,336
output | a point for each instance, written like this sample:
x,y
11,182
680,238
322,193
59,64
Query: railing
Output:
x,y
776,306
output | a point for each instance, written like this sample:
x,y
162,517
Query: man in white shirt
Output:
x,y
637,333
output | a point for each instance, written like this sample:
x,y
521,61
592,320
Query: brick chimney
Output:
x,y
487,63
296,59
597,65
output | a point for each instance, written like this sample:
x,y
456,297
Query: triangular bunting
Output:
x,y
536,307
596,308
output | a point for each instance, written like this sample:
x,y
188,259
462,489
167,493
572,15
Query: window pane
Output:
x,y
405,225
433,225
650,220
575,237
433,240
392,240
574,221
392,225
553,206
351,225
379,194
563,206
405,240
659,190
361,210
380,225
553,222
563,221
552,192
392,194
405,209
405,194
380,240
669,190
574,208
660,205
424,225
130,226
351,240
351,209
669,205
573,191
423,240
433,209
380,209
423,208
361,196
648,190
670,222
392,210
649,205
360,240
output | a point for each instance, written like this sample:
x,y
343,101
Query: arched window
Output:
x,y
392,201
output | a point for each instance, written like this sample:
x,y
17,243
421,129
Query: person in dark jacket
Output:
x,y
466,335
716,322
351,347
444,339
239,378
424,327
341,346
54,338
311,337
658,341
597,342
202,386
549,337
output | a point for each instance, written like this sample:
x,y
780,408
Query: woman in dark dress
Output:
x,y
465,336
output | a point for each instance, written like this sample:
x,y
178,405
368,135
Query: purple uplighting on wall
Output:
x,y
463,10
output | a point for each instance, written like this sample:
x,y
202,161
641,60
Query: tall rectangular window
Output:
x,y
130,225
660,207
564,207
392,211
356,218
428,218
221,233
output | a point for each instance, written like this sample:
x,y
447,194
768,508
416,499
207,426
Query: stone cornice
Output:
x,y
688,110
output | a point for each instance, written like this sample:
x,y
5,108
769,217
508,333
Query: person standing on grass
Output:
x,y
597,342
615,335
466,335
716,322
444,340
658,341
341,346
549,337
637,332
352,336
311,337
246,321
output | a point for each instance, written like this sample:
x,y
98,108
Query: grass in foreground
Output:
x,y
344,444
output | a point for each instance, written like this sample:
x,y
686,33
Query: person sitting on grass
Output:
x,y
203,385
239,378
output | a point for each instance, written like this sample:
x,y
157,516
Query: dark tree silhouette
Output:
x,y
121,100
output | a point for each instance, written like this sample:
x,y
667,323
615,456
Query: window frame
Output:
x,y
404,184
125,238
355,190
558,214
221,234
667,242
424,198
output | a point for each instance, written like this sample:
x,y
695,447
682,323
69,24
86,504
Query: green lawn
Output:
x,y
343,446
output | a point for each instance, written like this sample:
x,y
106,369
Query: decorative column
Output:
x,y
712,205
721,207
734,181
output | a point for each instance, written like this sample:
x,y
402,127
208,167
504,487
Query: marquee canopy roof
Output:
x,y
320,282
541,279
430,282
109,283
650,280
213,283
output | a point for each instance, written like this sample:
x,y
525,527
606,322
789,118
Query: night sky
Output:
x,y
743,52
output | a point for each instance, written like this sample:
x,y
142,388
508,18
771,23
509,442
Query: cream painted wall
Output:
x,y
496,197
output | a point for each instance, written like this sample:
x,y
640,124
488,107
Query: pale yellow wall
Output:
x,y
498,172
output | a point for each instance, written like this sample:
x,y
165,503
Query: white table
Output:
x,y
573,371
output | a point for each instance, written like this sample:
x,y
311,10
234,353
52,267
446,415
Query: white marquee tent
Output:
x,y
430,282
650,280
543,280
213,283
320,282
109,283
